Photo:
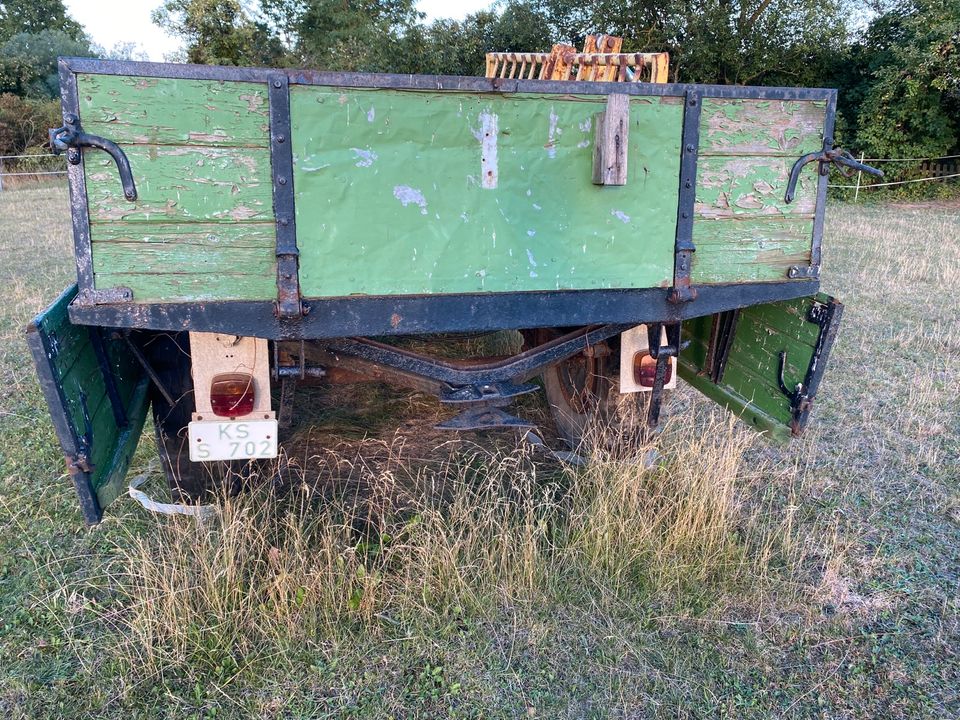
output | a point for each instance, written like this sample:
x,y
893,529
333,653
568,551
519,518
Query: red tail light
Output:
x,y
232,394
645,370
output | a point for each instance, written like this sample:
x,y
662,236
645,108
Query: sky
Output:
x,y
110,23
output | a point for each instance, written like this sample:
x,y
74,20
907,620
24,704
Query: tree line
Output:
x,y
895,62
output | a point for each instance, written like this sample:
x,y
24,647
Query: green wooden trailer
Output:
x,y
237,229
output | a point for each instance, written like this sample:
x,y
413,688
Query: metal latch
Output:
x,y
71,137
829,155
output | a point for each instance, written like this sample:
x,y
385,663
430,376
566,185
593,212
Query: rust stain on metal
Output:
x,y
395,320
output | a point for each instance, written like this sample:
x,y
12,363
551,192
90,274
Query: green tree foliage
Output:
x,y
451,47
34,16
28,61
24,122
909,89
758,42
219,32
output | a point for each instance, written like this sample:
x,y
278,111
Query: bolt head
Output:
x,y
277,84
282,181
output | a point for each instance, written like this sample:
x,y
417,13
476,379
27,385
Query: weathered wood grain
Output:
x,y
180,183
260,284
173,258
224,236
610,142
749,250
761,127
166,111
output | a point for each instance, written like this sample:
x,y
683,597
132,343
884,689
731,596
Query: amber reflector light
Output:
x,y
645,370
231,394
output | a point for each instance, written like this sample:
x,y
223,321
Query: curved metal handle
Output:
x,y
837,156
71,137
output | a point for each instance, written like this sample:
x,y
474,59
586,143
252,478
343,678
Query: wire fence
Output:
x,y
945,162
20,169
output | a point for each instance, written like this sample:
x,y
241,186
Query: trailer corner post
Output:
x,y
289,304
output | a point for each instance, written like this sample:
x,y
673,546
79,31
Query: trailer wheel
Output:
x,y
169,355
577,388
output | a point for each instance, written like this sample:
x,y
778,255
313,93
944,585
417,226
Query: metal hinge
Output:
x,y
78,464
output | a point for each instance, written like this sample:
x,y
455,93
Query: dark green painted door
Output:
x,y
773,365
96,392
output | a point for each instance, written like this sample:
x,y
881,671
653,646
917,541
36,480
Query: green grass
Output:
x,y
735,579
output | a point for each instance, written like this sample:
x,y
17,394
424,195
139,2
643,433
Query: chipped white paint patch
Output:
x,y
408,195
530,258
533,274
537,207
531,233
364,158
371,114
552,134
585,128
620,215
487,135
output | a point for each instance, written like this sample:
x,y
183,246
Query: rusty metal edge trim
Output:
x,y
687,195
816,240
39,343
435,82
76,176
381,315
284,203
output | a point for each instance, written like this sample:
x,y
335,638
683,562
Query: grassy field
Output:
x,y
412,574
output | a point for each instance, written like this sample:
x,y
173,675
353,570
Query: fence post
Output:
x,y
1,174
856,193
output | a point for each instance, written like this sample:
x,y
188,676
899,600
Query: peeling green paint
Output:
x,y
391,198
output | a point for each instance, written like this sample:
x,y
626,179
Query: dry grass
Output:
x,y
407,574
411,543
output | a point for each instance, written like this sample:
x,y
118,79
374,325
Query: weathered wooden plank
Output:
x,y
611,138
731,187
749,250
193,287
174,258
166,111
181,183
789,128
188,235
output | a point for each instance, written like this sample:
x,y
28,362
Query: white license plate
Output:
x,y
232,440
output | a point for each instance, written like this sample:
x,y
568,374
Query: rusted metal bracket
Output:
x,y
71,137
662,354
824,158
78,464
684,248
105,296
288,304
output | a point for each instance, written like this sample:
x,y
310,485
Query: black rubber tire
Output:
x,y
578,388
169,355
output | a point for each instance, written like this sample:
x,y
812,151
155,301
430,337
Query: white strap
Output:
x,y
202,512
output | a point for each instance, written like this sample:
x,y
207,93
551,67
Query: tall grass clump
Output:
x,y
349,548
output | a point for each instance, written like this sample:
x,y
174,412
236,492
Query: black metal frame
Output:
x,y
689,155
294,318
424,314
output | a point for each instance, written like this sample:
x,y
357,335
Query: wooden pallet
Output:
x,y
600,61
